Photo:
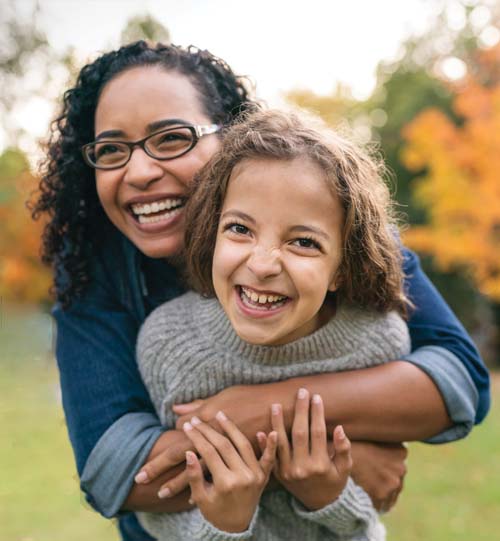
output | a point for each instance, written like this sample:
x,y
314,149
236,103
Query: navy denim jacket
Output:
x,y
111,421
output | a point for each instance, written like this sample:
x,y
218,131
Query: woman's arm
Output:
x,y
111,422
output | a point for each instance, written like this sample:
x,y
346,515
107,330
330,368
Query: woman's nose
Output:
x,y
264,262
142,170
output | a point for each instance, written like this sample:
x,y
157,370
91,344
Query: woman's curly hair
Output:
x,y
67,191
370,273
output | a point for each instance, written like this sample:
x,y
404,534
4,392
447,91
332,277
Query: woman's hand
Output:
x,y
380,469
306,469
238,478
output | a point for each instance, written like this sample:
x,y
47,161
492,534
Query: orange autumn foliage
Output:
x,y
23,278
460,188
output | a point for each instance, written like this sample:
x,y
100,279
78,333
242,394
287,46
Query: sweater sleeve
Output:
x,y
191,526
350,516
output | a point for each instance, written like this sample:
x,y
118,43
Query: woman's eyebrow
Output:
x,y
152,127
165,123
238,214
310,229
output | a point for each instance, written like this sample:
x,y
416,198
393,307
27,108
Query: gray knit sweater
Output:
x,y
187,349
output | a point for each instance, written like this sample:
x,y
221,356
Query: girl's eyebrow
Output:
x,y
310,229
238,214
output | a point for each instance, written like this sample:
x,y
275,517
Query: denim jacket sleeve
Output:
x,y
434,327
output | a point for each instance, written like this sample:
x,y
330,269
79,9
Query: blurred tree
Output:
x,y
418,78
459,188
144,27
22,277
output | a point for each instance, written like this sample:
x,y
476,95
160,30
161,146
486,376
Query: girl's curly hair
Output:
x,y
371,274
67,191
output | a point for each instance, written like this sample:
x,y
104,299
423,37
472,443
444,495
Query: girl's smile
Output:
x,y
278,249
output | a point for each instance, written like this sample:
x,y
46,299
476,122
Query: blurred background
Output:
x,y
420,78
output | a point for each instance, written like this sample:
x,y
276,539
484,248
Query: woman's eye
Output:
x,y
306,243
102,150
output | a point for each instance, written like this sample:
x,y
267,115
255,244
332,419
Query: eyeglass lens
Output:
x,y
162,145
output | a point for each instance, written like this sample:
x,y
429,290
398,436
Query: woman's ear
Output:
x,y
335,283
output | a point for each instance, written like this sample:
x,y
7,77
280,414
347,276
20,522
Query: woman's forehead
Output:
x,y
143,95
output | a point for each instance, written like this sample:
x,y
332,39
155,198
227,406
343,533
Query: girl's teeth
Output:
x,y
248,296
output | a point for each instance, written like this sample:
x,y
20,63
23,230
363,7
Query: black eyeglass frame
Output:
x,y
196,131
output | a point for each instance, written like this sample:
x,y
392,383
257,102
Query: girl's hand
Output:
x,y
238,478
306,469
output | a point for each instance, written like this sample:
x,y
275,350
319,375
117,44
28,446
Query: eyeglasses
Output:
x,y
163,145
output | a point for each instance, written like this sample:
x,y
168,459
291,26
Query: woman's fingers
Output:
x,y
239,440
278,425
188,407
161,463
342,458
318,428
207,451
194,474
300,427
268,458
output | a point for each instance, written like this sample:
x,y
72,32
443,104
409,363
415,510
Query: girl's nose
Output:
x,y
264,262
142,170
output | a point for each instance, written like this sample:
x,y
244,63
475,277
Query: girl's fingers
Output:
x,y
223,445
300,427
318,428
239,440
208,452
268,458
262,441
194,473
342,458
278,425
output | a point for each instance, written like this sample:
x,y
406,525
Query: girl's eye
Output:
x,y
238,229
306,243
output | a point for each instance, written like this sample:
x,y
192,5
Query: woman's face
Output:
x,y
133,105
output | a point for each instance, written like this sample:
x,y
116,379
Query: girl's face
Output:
x,y
278,249
134,104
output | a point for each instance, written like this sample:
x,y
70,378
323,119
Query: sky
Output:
x,y
281,44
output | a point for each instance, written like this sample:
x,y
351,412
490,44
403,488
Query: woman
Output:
x,y
114,238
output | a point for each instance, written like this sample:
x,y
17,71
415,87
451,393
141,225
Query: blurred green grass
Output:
x,y
452,492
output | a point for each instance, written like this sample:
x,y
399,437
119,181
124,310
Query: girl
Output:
x,y
289,227
110,272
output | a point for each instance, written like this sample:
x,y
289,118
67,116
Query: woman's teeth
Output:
x,y
159,217
252,299
157,206
143,212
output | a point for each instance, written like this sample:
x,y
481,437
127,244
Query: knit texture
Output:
x,y
187,349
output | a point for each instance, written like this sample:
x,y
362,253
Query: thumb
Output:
x,y
188,407
195,477
342,458
268,457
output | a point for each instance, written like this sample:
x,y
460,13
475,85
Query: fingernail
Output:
x,y
341,432
275,409
302,393
195,421
316,399
221,416
189,457
141,477
187,426
164,493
